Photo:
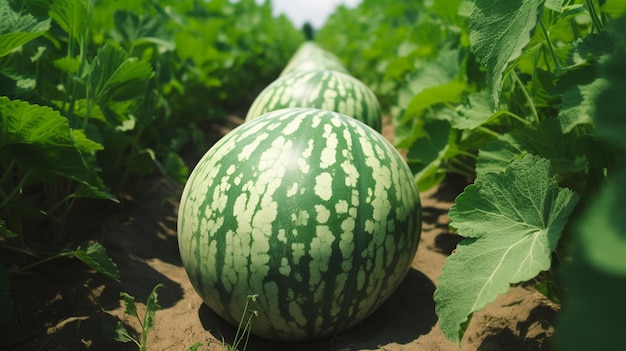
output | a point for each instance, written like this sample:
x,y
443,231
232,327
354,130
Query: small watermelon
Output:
x,y
322,89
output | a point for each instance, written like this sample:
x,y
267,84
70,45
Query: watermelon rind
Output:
x,y
311,210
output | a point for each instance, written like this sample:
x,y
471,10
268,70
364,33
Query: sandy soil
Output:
x,y
65,306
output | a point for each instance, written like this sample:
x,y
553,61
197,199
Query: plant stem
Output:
x,y
17,189
551,50
47,259
8,172
531,103
88,97
488,131
20,250
595,19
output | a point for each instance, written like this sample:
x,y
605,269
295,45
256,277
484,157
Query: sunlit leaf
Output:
x,y
117,332
115,76
137,30
449,92
427,153
71,15
566,152
499,30
18,26
615,8
152,306
130,308
83,143
512,222
95,257
475,111
67,64
579,104
40,138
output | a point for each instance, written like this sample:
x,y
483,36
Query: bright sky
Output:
x,y
313,11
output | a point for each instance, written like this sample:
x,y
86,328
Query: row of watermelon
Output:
x,y
305,205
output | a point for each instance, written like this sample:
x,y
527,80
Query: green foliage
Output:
x,y
512,222
38,138
119,331
245,325
95,95
95,257
524,98
499,31
596,277
18,25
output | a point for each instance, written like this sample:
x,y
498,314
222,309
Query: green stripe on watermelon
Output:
x,y
322,89
312,210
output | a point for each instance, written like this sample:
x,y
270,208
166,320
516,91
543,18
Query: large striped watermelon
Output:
x,y
312,210
323,89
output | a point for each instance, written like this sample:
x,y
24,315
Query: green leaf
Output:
x,y
39,137
152,305
579,83
475,111
83,143
195,347
579,104
554,5
137,30
614,8
609,119
176,167
512,222
602,230
593,318
499,31
130,308
18,26
95,257
427,153
116,77
566,152
118,332
71,15
67,64
6,303
444,69
498,153
448,92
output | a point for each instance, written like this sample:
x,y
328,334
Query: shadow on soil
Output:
x,y
409,313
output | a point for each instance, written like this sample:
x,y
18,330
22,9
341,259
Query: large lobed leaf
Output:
x,y
566,152
40,138
18,26
499,30
512,222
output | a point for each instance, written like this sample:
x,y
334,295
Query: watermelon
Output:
x,y
322,89
312,210
311,56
